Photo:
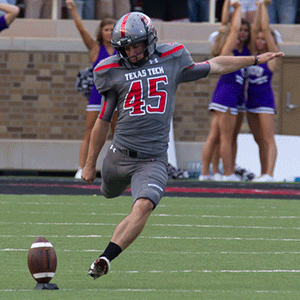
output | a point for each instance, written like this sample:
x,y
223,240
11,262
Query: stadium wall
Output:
x,y
42,114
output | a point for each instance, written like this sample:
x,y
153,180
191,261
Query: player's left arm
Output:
x,y
109,104
228,64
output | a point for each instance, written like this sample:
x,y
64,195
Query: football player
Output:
x,y
141,81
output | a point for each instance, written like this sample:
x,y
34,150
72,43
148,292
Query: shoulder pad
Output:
x,y
107,63
104,73
167,49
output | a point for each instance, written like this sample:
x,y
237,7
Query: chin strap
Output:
x,y
130,65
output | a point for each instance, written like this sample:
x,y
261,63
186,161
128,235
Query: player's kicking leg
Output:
x,y
125,233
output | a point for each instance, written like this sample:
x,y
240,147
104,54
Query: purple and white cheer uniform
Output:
x,y
230,89
3,24
94,103
260,94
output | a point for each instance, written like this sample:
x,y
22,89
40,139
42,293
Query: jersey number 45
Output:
x,y
136,103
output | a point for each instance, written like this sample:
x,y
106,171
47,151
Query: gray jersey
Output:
x,y
146,96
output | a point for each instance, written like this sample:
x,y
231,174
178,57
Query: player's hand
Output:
x,y
265,57
88,174
70,4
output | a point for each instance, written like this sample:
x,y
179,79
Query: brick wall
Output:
x,y
38,99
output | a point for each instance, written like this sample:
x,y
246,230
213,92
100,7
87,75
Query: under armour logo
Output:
x,y
113,148
153,61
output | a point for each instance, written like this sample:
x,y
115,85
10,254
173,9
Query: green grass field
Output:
x,y
191,248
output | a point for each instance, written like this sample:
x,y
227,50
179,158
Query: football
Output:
x,y
42,260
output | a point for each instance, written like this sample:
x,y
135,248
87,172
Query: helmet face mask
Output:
x,y
131,29
139,55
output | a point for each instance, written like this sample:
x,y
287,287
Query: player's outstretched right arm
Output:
x,y
228,64
97,141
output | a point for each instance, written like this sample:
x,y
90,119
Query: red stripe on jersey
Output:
x,y
199,63
123,25
202,63
114,65
172,51
102,111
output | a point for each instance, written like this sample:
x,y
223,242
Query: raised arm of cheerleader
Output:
x,y
269,36
235,26
225,17
255,27
266,29
86,37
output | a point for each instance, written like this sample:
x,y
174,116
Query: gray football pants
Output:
x,y
147,176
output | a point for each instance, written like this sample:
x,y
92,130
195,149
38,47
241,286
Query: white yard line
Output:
x,y
158,215
154,225
173,252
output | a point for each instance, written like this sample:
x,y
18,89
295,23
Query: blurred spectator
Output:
x,y
86,9
298,14
136,5
218,14
198,10
283,11
11,2
132,4
112,8
166,10
35,9
10,13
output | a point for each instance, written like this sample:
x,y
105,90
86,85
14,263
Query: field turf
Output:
x,y
191,248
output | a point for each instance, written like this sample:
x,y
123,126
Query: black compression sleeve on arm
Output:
x,y
195,72
109,103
